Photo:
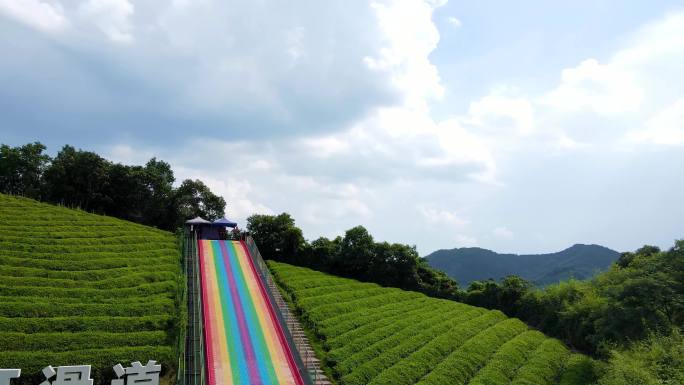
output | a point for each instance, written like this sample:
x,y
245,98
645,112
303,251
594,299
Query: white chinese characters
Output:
x,y
7,374
67,375
136,374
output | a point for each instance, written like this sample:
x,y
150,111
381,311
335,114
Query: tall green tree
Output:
x,y
394,265
322,251
78,178
161,206
277,236
127,194
193,198
356,254
21,169
436,283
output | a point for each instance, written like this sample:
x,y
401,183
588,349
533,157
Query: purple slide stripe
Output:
x,y
242,324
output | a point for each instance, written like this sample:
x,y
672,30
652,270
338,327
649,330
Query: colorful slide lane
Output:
x,y
243,339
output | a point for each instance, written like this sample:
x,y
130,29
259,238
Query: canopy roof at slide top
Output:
x,y
197,221
224,222
219,222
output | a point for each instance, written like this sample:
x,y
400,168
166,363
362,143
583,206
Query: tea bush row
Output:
x,y
79,341
337,326
78,288
86,275
463,363
383,336
133,279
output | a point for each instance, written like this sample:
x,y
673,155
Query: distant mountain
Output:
x,y
468,264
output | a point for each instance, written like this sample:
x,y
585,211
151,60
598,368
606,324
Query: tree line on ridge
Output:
x,y
85,180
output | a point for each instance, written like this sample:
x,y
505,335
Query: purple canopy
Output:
x,y
224,222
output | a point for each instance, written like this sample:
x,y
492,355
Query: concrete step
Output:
x,y
298,335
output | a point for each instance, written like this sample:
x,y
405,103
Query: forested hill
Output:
x,y
469,264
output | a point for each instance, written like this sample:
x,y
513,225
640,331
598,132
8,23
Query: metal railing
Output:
x,y
303,356
194,339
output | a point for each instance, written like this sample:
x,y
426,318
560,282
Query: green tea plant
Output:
x,y
78,288
385,336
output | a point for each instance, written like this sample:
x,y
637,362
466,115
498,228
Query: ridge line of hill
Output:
x,y
468,264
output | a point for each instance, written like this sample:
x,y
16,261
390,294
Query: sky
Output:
x,y
522,127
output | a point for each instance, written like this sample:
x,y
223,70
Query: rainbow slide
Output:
x,y
244,343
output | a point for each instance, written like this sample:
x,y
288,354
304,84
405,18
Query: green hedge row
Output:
x,y
86,275
506,361
69,300
387,324
115,240
322,291
361,338
81,265
461,365
77,255
70,232
57,249
396,337
579,369
312,303
56,342
86,323
159,289
157,306
341,324
362,368
303,283
307,283
544,366
325,311
131,280
10,221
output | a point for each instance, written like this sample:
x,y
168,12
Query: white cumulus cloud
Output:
x,y
443,217
465,240
503,232
666,127
455,22
112,17
606,89
46,16
503,110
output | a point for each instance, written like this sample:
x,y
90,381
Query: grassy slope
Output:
x,y
78,288
373,335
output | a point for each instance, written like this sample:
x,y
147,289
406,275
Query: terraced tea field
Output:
x,y
383,336
78,288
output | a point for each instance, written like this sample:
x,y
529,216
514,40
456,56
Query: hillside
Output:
x,y
469,264
78,288
374,335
